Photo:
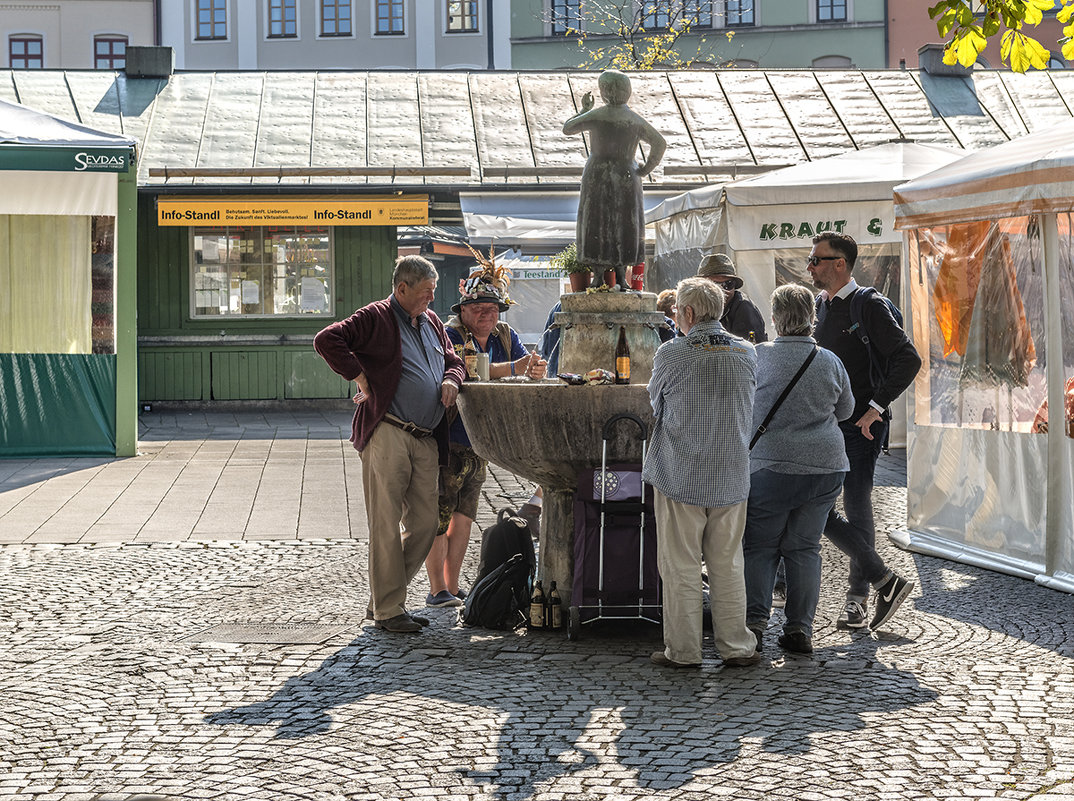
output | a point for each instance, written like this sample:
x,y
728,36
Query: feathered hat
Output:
x,y
486,283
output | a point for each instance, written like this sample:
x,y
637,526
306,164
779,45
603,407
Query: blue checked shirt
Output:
x,y
702,395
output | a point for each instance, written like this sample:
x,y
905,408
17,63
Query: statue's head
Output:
x,y
614,87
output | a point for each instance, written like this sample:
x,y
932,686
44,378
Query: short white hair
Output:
x,y
701,295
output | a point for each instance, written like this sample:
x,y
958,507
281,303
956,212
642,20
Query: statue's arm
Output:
x,y
657,146
577,122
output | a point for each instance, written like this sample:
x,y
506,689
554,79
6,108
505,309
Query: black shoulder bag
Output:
x,y
779,401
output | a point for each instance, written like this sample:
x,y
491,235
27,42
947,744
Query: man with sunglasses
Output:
x,y
831,263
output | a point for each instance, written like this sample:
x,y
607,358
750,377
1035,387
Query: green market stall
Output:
x,y
68,339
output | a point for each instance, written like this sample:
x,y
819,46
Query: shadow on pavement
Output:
x,y
954,594
549,716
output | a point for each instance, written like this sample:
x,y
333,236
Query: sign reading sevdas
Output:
x,y
401,210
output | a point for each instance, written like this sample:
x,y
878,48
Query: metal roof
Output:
x,y
503,129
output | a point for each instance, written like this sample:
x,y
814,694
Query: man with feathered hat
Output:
x,y
476,323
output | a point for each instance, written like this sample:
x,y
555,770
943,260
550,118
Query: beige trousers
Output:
x,y
685,534
399,479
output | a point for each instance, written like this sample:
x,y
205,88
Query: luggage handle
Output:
x,y
606,432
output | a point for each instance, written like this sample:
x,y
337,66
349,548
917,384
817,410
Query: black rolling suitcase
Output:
x,y
615,573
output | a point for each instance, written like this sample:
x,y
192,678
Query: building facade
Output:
x,y
740,33
337,34
74,34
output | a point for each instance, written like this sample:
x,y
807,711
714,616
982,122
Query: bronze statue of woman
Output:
x,y
611,215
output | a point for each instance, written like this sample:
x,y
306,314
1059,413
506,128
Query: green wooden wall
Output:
x,y
245,359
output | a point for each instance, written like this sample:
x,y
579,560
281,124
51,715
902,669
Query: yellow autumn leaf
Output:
x,y
965,48
1035,10
1026,52
1068,50
1063,15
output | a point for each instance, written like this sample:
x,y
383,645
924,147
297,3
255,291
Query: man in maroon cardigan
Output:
x,y
398,353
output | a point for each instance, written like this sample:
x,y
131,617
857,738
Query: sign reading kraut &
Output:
x,y
766,227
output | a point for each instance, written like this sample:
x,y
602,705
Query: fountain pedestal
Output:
x,y
548,432
589,331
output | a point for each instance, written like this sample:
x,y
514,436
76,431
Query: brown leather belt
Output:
x,y
414,430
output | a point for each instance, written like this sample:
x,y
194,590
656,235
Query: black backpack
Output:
x,y
497,601
501,595
857,303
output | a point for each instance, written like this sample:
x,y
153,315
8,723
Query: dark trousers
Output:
x,y
855,534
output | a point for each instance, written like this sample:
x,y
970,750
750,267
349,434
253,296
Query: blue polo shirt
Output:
x,y
496,356
417,399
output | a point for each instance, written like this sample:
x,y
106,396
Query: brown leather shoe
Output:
x,y
659,658
400,624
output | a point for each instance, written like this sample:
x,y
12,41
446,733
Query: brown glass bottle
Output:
x,y
553,614
622,358
537,616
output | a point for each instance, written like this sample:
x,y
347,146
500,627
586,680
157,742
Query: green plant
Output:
x,y
567,260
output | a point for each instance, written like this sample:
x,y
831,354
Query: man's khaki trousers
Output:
x,y
399,478
685,534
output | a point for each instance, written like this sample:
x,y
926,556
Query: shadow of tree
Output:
x,y
525,721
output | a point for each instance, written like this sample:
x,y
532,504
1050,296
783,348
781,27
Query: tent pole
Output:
x,y
1057,415
126,238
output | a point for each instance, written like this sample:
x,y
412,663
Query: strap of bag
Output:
x,y
779,401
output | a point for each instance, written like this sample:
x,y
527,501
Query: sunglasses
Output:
x,y
813,261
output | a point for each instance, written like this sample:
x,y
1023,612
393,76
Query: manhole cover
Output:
x,y
268,633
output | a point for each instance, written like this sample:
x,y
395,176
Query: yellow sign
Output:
x,y
339,210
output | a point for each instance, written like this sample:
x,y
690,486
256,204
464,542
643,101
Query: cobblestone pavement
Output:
x,y
119,680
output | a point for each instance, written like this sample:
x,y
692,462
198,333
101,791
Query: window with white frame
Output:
x,y
26,52
283,19
109,52
698,13
336,17
461,16
212,19
831,10
739,12
656,16
565,16
390,18
261,271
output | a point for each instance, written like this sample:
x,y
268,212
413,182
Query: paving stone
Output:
x,y
968,694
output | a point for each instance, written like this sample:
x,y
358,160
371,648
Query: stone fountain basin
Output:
x,y
548,432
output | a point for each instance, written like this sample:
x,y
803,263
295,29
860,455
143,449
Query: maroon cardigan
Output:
x,y
368,343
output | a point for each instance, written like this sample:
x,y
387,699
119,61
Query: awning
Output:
x,y
520,217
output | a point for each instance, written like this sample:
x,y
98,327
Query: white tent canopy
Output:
x,y
767,222
79,190
991,274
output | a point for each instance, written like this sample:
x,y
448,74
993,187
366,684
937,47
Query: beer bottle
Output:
x,y
470,355
554,611
622,358
537,620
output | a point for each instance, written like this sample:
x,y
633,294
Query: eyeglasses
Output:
x,y
813,261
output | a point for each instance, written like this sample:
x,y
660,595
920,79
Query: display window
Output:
x,y
261,271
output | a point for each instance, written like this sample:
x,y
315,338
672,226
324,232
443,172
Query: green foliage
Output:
x,y
612,34
970,34
567,260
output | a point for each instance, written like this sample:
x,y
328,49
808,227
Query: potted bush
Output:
x,y
578,273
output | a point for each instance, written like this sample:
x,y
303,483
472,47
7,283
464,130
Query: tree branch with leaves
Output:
x,y
633,35
970,33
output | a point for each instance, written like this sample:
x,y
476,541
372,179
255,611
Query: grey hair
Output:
x,y
793,310
412,270
701,295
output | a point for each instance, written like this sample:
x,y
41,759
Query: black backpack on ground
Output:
x,y
501,595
